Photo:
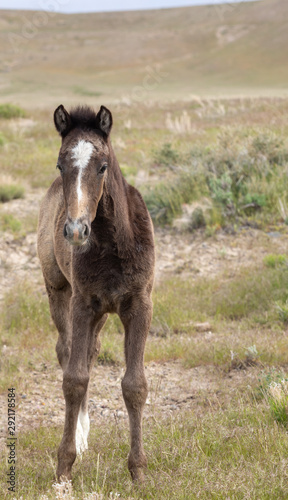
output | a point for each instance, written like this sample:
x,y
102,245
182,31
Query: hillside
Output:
x,y
215,50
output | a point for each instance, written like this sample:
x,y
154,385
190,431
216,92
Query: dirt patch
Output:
x,y
193,255
18,255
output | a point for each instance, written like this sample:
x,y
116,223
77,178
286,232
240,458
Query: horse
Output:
x,y
96,249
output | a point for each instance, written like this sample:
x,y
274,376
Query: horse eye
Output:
x,y
59,167
103,168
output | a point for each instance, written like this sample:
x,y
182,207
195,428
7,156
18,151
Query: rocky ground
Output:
x,y
171,386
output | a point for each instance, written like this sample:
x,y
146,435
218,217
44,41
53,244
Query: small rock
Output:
x,y
202,327
274,234
105,413
120,414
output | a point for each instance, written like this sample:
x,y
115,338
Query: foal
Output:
x,y
95,244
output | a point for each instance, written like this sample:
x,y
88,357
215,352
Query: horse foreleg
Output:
x,y
83,423
136,321
75,382
59,302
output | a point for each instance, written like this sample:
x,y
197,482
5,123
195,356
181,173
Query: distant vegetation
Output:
x,y
243,173
11,192
8,111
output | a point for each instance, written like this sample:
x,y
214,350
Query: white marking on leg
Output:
x,y
81,154
82,431
85,422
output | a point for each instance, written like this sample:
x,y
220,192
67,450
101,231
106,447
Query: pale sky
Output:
x,y
70,6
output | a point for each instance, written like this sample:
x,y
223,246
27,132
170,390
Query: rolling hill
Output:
x,y
145,55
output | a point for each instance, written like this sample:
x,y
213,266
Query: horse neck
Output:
x,y
114,206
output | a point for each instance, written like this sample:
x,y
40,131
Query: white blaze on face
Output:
x,y
81,155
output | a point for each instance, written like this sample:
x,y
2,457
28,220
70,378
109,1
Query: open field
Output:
x,y
216,357
214,174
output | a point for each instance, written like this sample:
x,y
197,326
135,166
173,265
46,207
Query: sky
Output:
x,y
70,6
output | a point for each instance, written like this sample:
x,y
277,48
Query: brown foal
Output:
x,y
96,247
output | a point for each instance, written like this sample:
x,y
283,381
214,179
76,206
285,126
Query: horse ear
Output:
x,y
62,120
104,120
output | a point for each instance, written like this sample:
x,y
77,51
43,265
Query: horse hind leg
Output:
x,y
134,384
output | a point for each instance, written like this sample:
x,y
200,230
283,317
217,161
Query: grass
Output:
x,y
229,445
242,313
26,331
11,192
232,451
9,111
239,171
273,389
10,223
218,448
273,261
243,174
85,92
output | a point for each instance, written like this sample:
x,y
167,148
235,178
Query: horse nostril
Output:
x,y
65,230
86,231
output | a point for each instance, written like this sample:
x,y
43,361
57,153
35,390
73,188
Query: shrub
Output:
x,y
282,310
167,156
10,192
274,261
197,219
164,201
244,174
274,388
11,111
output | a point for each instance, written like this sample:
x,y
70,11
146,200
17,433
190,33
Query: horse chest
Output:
x,y
104,278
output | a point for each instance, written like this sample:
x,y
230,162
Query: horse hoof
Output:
x,y
63,477
138,476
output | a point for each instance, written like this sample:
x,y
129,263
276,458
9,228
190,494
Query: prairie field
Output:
x,y
207,148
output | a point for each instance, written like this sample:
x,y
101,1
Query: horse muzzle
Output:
x,y
77,231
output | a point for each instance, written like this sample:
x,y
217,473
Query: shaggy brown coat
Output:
x,y
95,244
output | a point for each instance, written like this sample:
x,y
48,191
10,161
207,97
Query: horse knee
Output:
x,y
134,392
63,353
74,386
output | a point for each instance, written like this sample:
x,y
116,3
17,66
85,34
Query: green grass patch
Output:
x,y
8,111
246,295
274,389
241,311
243,174
165,200
2,139
11,192
86,92
167,156
218,455
9,223
273,260
27,332
26,314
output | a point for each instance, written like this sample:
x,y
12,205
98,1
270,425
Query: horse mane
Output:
x,y
84,117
